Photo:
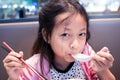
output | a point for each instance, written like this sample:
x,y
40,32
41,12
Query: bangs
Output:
x,y
65,20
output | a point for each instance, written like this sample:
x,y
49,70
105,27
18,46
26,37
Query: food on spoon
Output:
x,y
82,57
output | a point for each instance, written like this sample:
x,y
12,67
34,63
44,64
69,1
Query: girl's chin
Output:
x,y
71,60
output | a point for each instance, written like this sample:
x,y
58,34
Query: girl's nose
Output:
x,y
74,44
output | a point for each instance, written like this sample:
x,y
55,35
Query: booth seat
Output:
x,y
21,36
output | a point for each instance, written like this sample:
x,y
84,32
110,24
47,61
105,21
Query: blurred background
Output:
x,y
15,9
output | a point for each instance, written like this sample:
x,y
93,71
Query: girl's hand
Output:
x,y
102,61
13,65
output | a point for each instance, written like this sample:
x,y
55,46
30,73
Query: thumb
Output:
x,y
105,49
21,53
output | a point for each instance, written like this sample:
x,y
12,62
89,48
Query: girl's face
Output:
x,y
69,37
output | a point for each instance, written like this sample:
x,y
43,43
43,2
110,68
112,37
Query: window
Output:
x,y
103,8
17,9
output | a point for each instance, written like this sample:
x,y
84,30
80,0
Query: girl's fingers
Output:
x,y
99,61
98,58
104,52
104,49
104,63
13,56
106,56
97,64
13,59
14,64
103,59
10,59
21,53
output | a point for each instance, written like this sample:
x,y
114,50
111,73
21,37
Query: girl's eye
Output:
x,y
65,34
82,34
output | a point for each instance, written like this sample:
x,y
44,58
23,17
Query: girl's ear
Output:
x,y
44,35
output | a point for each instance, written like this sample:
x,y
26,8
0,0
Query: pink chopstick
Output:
x,y
29,66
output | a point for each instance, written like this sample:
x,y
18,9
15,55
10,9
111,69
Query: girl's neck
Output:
x,y
62,66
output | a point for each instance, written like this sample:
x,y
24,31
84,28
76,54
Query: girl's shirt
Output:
x,y
77,71
74,71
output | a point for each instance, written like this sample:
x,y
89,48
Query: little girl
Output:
x,y
63,31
